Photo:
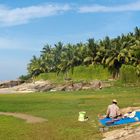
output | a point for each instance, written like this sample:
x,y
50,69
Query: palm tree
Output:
x,y
35,66
57,54
137,32
110,53
67,60
91,49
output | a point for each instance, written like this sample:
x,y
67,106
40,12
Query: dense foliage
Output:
x,y
109,52
80,74
128,74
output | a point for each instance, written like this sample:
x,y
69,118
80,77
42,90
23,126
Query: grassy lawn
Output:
x,y
61,110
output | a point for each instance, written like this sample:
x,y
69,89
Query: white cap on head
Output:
x,y
114,101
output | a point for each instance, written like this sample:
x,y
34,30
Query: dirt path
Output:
x,y
127,133
135,136
27,118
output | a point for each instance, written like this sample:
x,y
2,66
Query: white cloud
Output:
x,y
23,15
120,8
9,17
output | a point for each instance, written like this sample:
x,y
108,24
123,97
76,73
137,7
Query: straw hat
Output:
x,y
114,101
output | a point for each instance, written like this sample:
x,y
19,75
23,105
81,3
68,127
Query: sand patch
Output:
x,y
27,118
129,109
127,133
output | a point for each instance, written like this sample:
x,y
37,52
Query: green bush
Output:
x,y
90,72
50,76
85,73
25,77
128,74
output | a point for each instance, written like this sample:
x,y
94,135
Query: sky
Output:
x,y
27,25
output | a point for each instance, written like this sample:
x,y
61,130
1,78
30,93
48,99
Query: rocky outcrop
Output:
x,y
34,86
44,86
11,83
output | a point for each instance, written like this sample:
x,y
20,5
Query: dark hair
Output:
x,y
114,102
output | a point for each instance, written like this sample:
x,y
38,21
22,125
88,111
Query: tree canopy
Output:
x,y
109,52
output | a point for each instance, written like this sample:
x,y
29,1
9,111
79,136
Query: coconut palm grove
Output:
x,y
118,55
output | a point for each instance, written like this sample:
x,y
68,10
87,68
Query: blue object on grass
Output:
x,y
121,121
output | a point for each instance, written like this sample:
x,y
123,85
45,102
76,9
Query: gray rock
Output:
x,y
45,88
11,83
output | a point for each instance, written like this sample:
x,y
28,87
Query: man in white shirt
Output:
x,y
113,110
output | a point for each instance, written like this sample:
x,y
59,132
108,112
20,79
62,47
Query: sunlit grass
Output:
x,y
80,73
61,110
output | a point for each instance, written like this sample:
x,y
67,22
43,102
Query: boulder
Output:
x,y
45,88
60,88
11,83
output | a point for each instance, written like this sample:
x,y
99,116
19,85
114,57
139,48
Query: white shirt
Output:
x,y
113,111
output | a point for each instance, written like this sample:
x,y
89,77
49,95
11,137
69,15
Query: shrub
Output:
x,y
51,76
90,72
25,77
128,74
87,73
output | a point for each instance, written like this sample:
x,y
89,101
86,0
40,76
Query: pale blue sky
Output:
x,y
27,25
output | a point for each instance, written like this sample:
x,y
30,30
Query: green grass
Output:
x,y
53,77
61,109
90,72
86,73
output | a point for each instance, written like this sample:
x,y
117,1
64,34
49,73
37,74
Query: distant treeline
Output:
x,y
111,53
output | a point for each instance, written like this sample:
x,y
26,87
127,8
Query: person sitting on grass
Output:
x,y
113,110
